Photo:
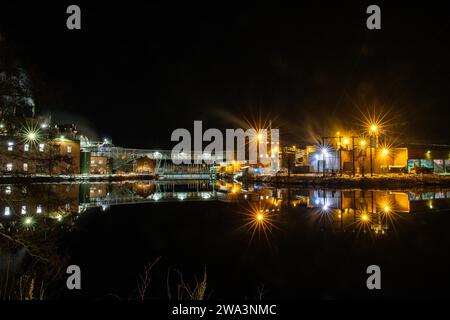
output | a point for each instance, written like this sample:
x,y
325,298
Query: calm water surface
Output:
x,y
283,243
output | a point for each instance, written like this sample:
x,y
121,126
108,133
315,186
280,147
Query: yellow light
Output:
x,y
364,217
387,209
260,217
32,136
259,136
385,152
363,143
338,133
374,128
28,221
346,141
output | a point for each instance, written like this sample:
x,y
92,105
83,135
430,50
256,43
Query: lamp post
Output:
x,y
373,131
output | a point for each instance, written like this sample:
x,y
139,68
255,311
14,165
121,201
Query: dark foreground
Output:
x,y
305,255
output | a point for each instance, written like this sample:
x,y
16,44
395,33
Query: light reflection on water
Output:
x,y
374,210
202,223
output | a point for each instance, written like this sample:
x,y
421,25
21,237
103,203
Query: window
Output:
x,y
41,147
7,211
25,167
9,167
69,149
26,147
100,161
23,210
92,161
8,190
39,209
10,146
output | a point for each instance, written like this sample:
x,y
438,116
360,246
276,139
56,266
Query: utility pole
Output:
x,y
371,157
340,156
353,155
323,157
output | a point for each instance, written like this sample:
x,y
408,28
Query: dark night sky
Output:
x,y
138,70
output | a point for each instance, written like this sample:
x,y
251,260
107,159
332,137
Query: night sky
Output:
x,y
138,70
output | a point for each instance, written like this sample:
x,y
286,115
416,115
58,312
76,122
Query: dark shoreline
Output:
x,y
379,182
57,179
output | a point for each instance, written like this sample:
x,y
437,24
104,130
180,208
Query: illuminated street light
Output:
x,y
346,141
259,136
373,128
363,143
32,136
385,151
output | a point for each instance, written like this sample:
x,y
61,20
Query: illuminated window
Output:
x,y
41,147
69,149
23,210
26,147
25,167
9,167
7,211
10,146
100,161
39,209
92,161
8,190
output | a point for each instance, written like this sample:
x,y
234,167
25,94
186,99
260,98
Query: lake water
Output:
x,y
252,240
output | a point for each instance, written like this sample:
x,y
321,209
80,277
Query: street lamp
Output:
x,y
32,136
373,130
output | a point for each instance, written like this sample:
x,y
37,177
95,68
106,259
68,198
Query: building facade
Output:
x,y
49,157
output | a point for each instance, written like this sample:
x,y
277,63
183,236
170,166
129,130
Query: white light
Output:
x,y
7,211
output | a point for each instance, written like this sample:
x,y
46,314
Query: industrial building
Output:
x,y
362,160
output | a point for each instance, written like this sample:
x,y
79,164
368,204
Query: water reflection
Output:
x,y
260,219
22,206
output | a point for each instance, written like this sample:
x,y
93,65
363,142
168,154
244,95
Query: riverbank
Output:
x,y
77,178
377,181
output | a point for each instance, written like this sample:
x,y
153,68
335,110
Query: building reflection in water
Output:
x,y
346,209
